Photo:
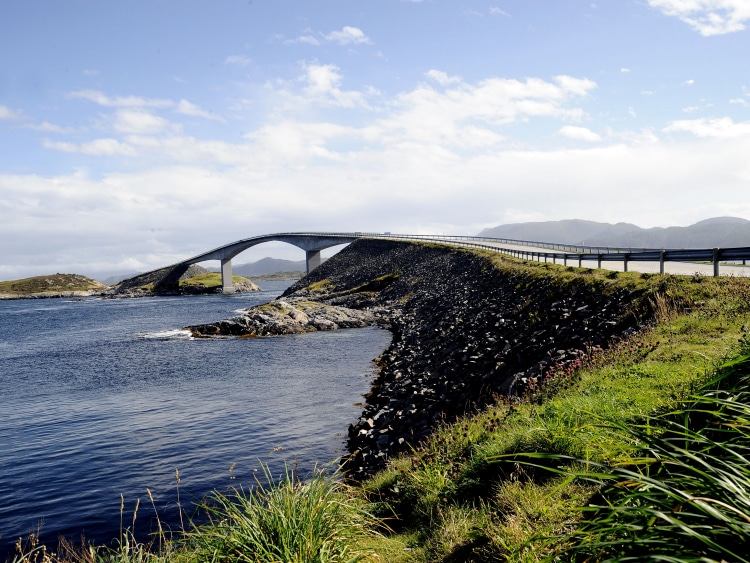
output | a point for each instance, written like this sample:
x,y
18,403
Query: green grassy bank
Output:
x,y
634,453
510,484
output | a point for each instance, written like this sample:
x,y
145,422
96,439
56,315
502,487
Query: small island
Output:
x,y
195,280
56,285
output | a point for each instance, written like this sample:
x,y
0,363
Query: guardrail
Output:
x,y
579,253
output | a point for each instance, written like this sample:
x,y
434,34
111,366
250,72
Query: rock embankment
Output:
x,y
289,316
464,333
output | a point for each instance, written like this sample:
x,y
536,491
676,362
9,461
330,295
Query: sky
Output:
x,y
137,134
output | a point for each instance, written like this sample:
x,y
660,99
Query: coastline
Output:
x,y
465,333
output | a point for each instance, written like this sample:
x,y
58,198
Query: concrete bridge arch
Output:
x,y
311,243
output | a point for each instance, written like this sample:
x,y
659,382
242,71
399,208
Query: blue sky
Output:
x,y
135,134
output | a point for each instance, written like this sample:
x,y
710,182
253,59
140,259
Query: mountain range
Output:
x,y
267,266
721,232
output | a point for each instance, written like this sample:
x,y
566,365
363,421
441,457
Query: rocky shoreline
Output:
x,y
288,316
464,332
50,295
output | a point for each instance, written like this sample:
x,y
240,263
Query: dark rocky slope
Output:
x,y
464,332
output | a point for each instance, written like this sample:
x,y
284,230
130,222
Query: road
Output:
x,y
679,268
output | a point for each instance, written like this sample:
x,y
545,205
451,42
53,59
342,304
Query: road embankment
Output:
x,y
465,331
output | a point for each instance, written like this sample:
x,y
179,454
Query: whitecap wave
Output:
x,y
172,334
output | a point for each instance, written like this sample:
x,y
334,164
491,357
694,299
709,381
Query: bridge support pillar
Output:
x,y
227,285
312,258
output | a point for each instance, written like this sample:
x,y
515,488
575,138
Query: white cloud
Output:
x,y
98,147
119,101
322,78
463,115
624,70
570,85
188,150
718,128
708,17
322,83
348,36
307,40
580,134
8,114
294,142
139,122
471,116
46,127
442,77
740,101
188,108
495,11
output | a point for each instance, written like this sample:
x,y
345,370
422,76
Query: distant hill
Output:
x,y
269,266
723,232
266,266
51,286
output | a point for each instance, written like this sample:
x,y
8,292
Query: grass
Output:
x,y
322,286
464,495
681,490
320,520
289,521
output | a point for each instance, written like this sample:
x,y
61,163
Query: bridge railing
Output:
x,y
579,253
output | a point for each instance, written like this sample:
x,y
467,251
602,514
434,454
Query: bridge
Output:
x,y
704,261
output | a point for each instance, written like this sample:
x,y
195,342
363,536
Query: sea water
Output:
x,y
104,399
